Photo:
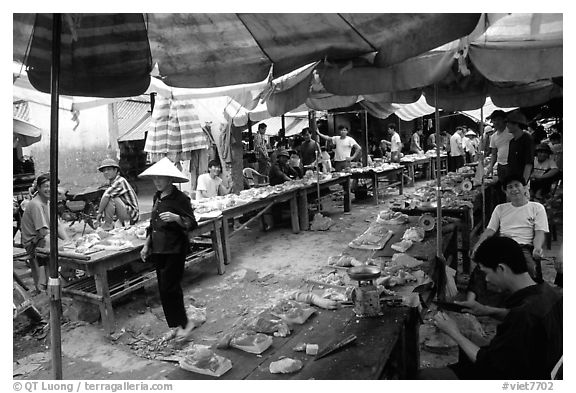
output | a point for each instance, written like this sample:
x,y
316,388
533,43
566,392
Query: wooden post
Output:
x,y
250,136
237,152
438,177
365,143
54,288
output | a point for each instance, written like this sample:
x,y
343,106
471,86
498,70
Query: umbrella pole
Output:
x,y
54,289
438,180
312,125
481,162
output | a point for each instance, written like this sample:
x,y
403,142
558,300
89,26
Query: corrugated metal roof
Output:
x,y
133,119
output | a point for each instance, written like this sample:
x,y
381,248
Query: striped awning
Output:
x,y
175,130
103,55
294,125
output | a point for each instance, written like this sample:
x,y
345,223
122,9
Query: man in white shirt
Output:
x,y
344,145
210,184
524,221
395,143
456,159
499,143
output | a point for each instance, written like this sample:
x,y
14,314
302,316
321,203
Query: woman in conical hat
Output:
x,y
167,242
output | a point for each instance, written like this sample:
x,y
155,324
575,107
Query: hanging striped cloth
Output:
x,y
175,130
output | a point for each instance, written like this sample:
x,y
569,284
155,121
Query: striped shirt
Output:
x,y
260,148
120,188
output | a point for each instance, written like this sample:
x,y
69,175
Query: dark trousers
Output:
x,y
169,271
455,162
501,172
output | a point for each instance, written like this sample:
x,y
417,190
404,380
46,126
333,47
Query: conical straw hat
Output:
x,y
165,167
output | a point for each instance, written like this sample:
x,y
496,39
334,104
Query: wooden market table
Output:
x,y
233,212
377,175
385,346
98,289
473,220
411,165
443,165
303,193
421,250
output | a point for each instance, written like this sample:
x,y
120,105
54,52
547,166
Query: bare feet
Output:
x,y
184,334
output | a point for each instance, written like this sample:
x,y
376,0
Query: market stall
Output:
x,y
414,162
384,347
381,173
98,255
460,199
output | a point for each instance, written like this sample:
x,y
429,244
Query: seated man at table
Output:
x,y
522,220
119,200
35,228
545,172
210,184
295,163
282,172
528,342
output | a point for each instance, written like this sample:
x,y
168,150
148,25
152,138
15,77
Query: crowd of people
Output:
x,y
508,253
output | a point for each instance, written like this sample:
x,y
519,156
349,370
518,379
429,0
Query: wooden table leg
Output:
x,y
105,305
401,181
375,186
294,214
226,240
466,229
303,210
411,346
217,246
347,202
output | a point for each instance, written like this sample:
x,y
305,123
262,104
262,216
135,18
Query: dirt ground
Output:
x,y
265,267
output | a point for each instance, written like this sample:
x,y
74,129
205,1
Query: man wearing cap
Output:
x,y
456,159
210,184
282,172
521,146
499,142
545,171
167,243
119,200
35,229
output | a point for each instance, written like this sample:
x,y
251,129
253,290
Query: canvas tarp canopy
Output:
x,y
420,108
513,58
207,50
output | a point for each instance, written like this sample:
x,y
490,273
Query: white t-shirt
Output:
x,y
206,183
396,143
343,147
519,223
456,147
500,141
